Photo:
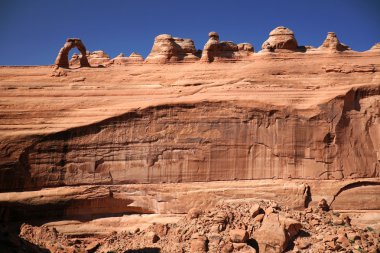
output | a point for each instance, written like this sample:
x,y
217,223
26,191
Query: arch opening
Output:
x,y
62,59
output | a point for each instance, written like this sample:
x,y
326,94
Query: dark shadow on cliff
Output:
x,y
352,186
76,209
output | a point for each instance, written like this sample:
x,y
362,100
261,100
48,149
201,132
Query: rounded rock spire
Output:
x,y
280,38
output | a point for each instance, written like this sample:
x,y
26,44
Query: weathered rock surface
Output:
x,y
333,44
215,50
182,131
132,148
276,232
62,58
165,139
375,47
280,39
228,227
121,59
135,57
171,49
97,58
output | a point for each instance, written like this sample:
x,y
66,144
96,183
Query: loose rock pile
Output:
x,y
229,227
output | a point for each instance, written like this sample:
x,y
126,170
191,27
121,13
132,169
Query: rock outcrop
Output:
x,y
95,58
192,157
333,44
135,58
121,59
280,39
375,47
323,149
62,58
98,58
171,49
214,50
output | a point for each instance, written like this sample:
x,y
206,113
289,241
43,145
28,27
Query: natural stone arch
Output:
x,y
63,55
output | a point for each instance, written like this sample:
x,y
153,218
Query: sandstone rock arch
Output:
x,y
62,59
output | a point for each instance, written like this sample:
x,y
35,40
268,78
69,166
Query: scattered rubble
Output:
x,y
229,227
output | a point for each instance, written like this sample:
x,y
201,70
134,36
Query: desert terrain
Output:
x,y
220,150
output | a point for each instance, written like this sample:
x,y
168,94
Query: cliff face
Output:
x,y
210,141
83,150
291,116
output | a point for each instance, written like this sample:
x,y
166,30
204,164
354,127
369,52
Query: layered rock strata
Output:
x,y
97,58
215,50
121,59
280,39
139,147
172,49
333,44
376,47
89,151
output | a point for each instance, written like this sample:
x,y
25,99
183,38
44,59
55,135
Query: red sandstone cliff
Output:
x,y
287,118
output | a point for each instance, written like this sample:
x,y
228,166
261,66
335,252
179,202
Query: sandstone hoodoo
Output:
x,y
215,50
220,150
62,59
280,39
98,58
171,49
333,44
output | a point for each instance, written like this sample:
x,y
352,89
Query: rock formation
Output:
x,y
280,39
375,47
168,49
214,50
62,58
242,226
251,154
97,58
333,44
121,59
135,57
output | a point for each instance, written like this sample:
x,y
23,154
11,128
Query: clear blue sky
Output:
x,y
33,31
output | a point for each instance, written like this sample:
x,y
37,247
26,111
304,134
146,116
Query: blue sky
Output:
x,y
32,32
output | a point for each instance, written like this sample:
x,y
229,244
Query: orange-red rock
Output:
x,y
280,38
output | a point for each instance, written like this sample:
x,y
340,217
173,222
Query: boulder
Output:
x,y
238,235
276,233
280,39
333,44
152,237
322,205
198,243
216,50
194,213
168,49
